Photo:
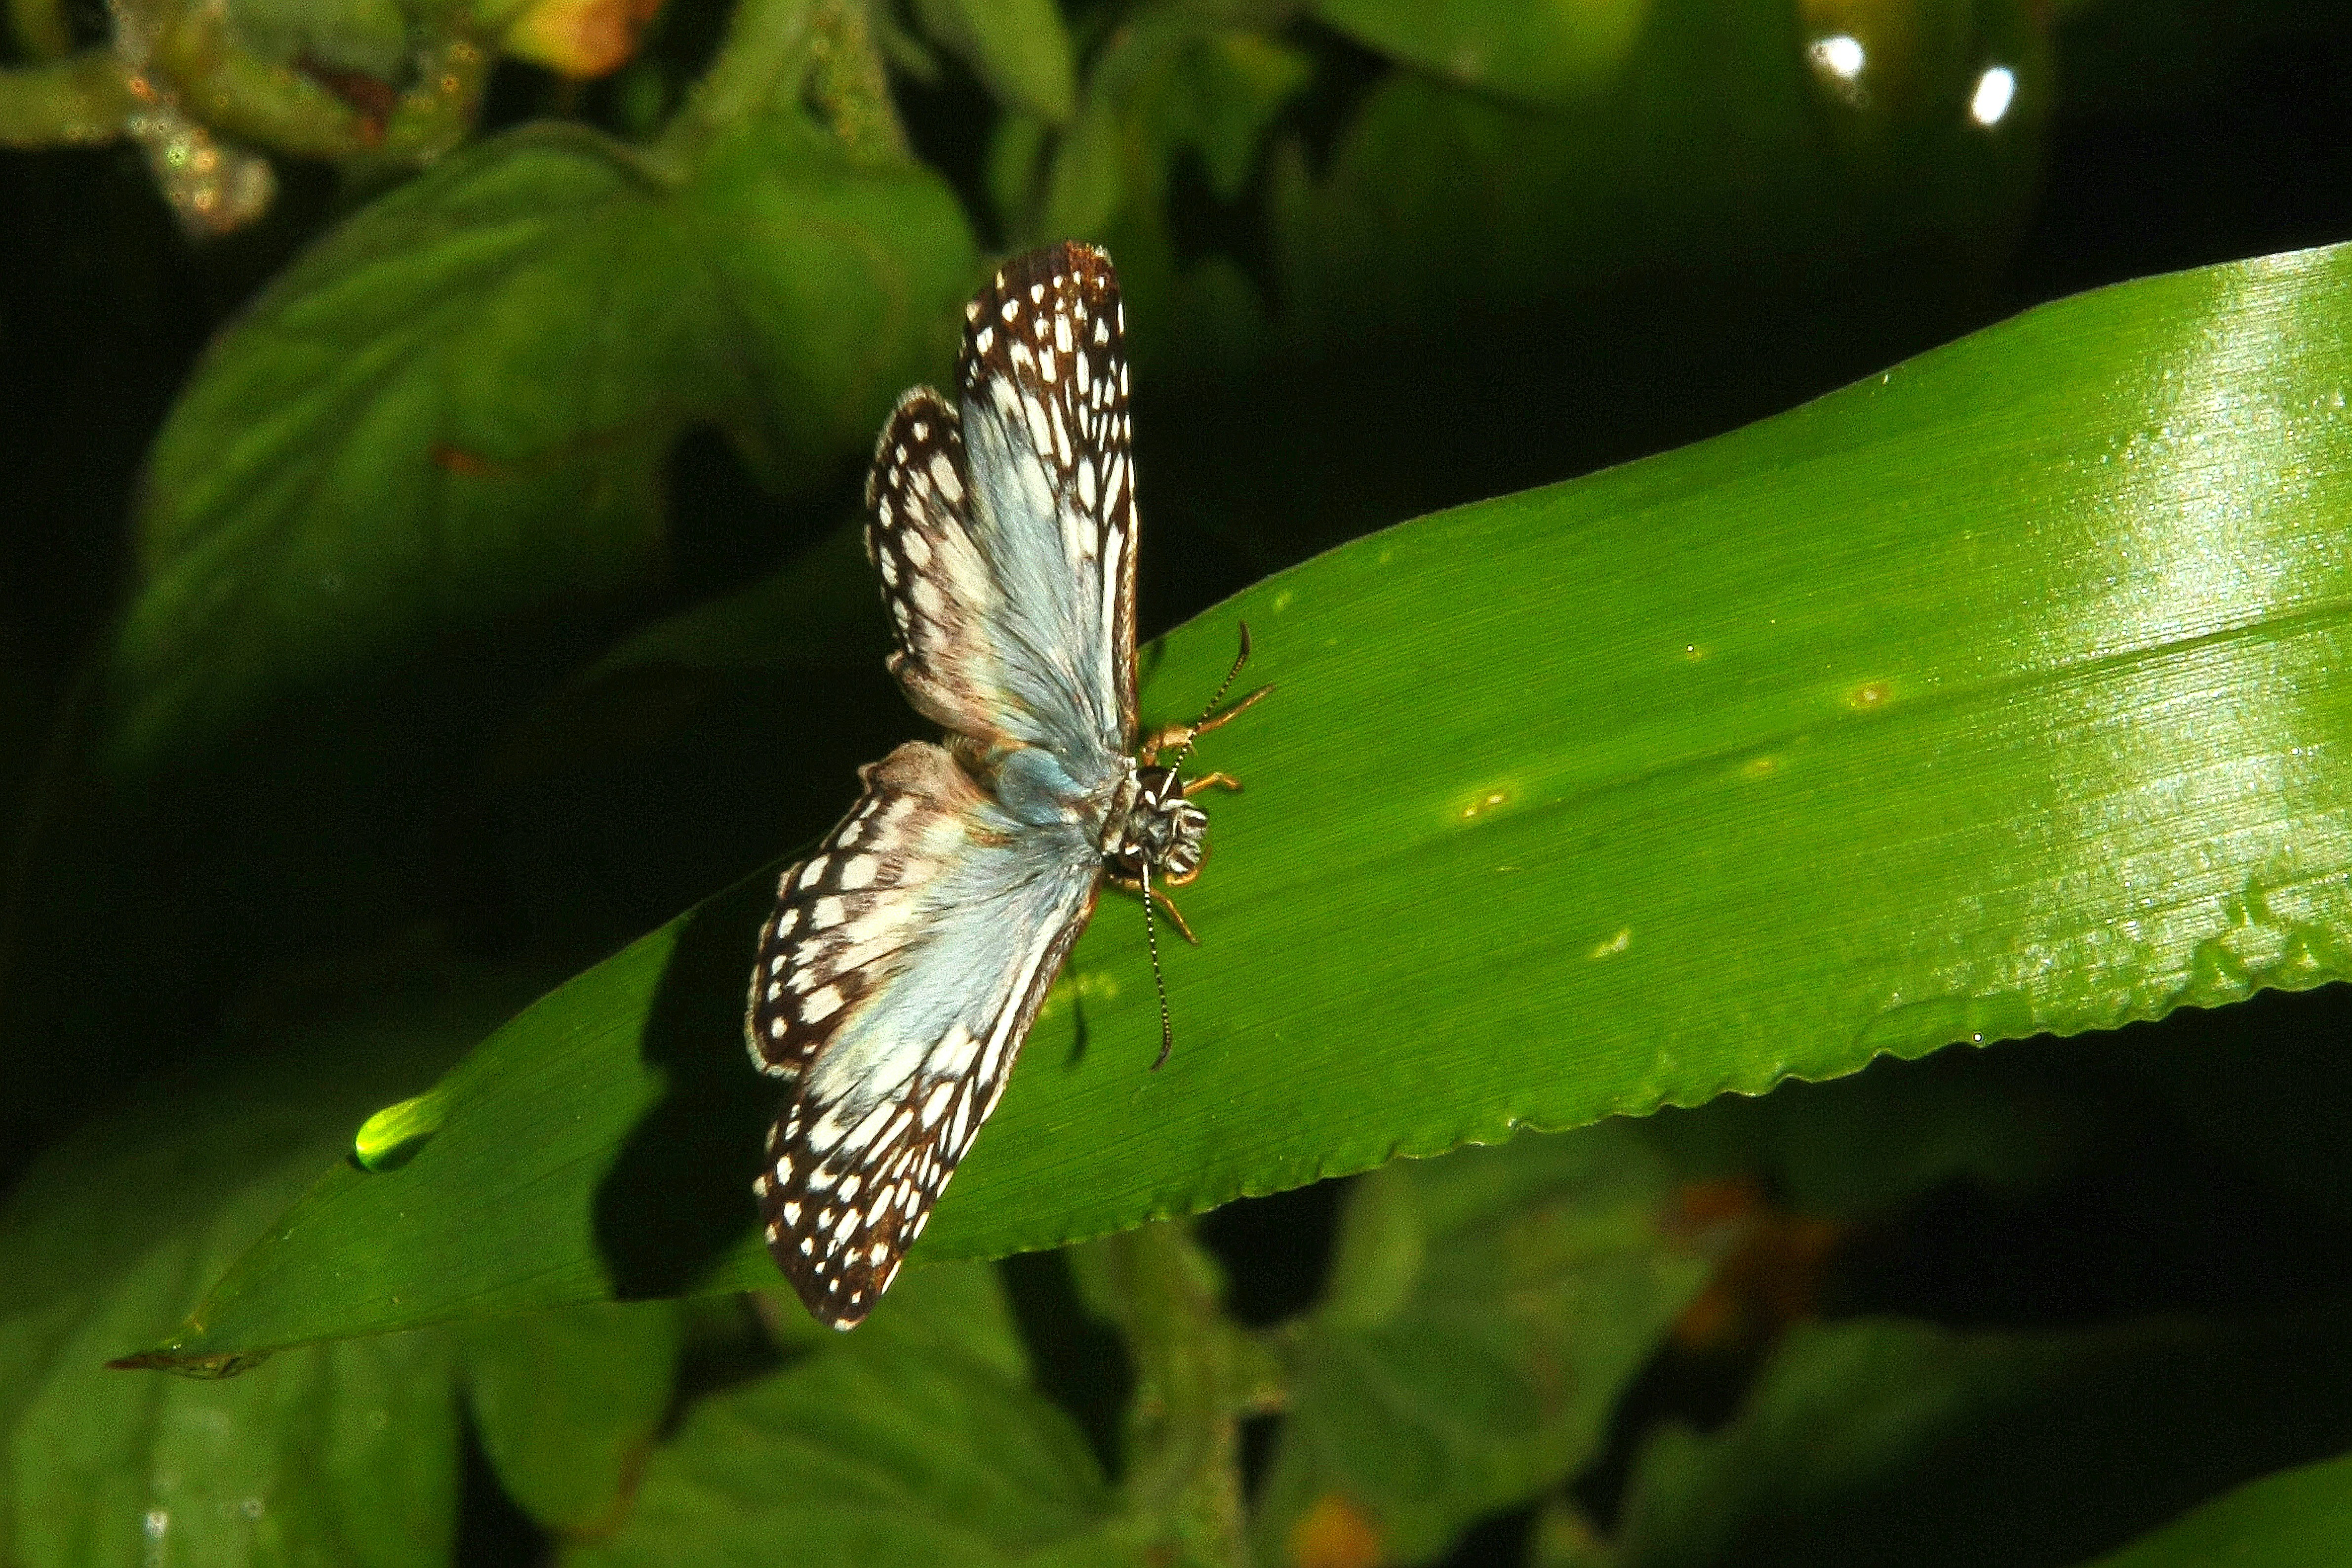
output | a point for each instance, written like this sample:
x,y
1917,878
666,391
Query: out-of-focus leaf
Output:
x,y
567,1404
843,274
2011,710
1562,1536
1717,148
1020,49
816,614
1170,86
1886,1136
364,36
885,1447
1485,1310
1545,50
341,1453
1882,1440
2298,1519
452,412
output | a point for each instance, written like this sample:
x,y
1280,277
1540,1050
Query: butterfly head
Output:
x,y
1163,833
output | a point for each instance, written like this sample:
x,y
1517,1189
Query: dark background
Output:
x,y
2177,133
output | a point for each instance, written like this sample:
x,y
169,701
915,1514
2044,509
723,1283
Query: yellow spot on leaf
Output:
x,y
1334,1534
1484,802
1614,945
1868,695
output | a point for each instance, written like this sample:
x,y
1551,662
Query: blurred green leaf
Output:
x,y
1722,148
1170,87
1882,1441
2298,1519
815,613
368,35
1019,48
452,412
448,412
842,273
1889,1135
1484,1313
890,1447
1544,50
813,619
961,1310
340,1453
567,1405
1989,697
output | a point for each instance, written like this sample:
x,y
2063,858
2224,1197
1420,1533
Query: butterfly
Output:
x,y
907,957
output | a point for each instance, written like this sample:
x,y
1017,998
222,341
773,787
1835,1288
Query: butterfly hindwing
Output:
x,y
846,916
896,982
1005,530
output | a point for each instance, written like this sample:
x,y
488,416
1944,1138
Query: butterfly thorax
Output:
x,y
1151,826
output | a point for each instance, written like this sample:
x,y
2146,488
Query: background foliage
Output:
x,y
432,439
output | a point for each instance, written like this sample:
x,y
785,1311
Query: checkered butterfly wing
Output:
x,y
1005,530
907,958
895,983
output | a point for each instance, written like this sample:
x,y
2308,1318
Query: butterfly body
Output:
x,y
907,957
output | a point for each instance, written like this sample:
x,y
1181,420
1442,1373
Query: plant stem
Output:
x,y
821,50
41,28
76,102
1196,1375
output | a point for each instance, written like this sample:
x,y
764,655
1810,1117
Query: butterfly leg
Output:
x,y
1223,780
1165,902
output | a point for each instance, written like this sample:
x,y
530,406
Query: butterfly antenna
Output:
x,y
1159,984
1240,660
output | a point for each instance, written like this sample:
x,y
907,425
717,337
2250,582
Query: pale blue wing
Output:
x,y
1004,531
895,984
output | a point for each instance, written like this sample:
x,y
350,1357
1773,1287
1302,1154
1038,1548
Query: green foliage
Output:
x,y
921,1441
1981,1434
2293,1520
1750,780
344,1452
568,1404
496,595
1484,1314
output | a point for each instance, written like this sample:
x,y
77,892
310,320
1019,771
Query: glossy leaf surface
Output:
x,y
1996,695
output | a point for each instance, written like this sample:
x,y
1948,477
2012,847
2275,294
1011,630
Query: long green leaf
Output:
x,y
345,1453
1995,695
2297,1519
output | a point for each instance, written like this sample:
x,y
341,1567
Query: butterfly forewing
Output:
x,y
1004,531
895,984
